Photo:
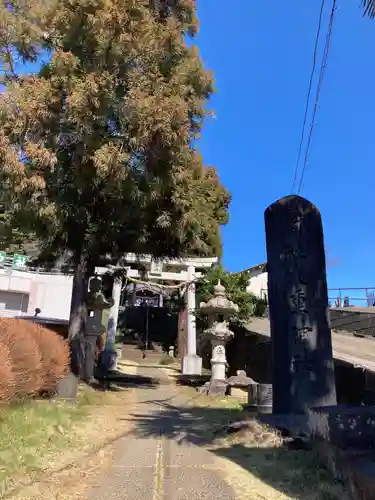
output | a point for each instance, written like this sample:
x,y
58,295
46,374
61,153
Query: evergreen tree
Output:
x,y
97,148
369,6
235,285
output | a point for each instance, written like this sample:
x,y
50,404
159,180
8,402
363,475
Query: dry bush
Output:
x,y
254,434
25,356
6,374
54,354
261,436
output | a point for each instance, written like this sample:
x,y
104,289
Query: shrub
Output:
x,y
25,356
55,356
6,374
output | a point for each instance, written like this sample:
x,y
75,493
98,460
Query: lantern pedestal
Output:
x,y
96,303
218,309
214,388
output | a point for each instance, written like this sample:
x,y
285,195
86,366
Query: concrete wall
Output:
x,y
258,282
50,292
252,353
353,319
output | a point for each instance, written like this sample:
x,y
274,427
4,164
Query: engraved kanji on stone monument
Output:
x,y
303,371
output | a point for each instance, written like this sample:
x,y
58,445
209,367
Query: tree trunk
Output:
x,y
78,315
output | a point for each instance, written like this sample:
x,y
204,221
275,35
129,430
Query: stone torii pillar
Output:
x,y
192,364
109,353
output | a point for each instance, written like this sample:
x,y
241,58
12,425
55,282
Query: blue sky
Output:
x,y
261,55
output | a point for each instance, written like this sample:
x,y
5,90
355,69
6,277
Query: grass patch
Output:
x,y
31,430
262,467
166,360
272,470
224,404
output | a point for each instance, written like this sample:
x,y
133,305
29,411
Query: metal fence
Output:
x,y
19,262
347,297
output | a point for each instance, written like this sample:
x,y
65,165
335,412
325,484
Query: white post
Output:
x,y
112,321
192,364
190,304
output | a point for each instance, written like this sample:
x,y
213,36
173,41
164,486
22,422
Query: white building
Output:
x,y
22,291
258,280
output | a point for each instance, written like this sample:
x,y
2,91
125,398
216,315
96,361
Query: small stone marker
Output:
x,y
67,387
303,370
238,384
259,397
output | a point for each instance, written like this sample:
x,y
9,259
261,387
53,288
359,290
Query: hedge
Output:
x,y
32,358
54,355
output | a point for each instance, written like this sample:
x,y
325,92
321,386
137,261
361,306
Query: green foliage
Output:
x,y
235,287
15,240
98,150
106,131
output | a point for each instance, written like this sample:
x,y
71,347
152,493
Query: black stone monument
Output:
x,y
303,370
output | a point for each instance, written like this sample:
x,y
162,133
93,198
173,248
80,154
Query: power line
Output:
x,y
323,67
309,92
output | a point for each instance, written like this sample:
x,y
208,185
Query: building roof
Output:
x,y
258,267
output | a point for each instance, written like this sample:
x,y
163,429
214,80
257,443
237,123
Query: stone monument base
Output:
x,y
214,388
192,365
344,426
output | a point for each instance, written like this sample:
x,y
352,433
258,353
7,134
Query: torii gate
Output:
x,y
161,271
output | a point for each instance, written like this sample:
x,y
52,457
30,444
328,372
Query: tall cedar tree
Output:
x,y
369,6
97,149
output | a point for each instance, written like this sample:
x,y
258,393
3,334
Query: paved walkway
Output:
x,y
154,462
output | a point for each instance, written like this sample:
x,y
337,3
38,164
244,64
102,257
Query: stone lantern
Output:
x,y
96,303
218,309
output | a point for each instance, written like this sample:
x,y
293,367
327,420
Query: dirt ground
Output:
x,y
255,463
69,474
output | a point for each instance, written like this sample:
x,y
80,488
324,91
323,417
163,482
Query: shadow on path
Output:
x,y
116,380
295,473
182,423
